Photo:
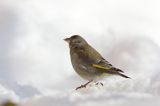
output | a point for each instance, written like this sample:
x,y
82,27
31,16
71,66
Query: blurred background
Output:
x,y
35,67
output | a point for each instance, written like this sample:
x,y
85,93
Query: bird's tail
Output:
x,y
119,70
123,75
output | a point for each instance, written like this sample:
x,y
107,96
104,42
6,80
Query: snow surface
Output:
x,y
35,67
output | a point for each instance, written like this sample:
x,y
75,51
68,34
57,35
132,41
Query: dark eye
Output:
x,y
78,42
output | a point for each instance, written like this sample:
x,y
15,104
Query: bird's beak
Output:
x,y
67,40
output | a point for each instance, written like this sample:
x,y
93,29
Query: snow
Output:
x,y
35,67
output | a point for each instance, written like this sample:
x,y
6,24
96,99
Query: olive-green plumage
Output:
x,y
87,62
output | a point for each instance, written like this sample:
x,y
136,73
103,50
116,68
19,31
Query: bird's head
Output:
x,y
76,41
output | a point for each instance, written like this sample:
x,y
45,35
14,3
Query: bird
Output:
x,y
88,62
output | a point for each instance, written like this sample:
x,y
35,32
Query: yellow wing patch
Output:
x,y
100,67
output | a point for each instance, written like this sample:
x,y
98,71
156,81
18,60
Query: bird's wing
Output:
x,y
94,58
91,57
102,64
106,66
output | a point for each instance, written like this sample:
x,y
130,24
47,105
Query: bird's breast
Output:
x,y
83,68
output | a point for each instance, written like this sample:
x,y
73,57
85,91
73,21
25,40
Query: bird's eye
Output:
x,y
78,42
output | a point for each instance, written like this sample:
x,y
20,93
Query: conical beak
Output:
x,y
67,40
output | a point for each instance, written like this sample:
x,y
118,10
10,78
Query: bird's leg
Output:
x,y
84,86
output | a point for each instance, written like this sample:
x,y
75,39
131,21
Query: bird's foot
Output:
x,y
100,83
84,86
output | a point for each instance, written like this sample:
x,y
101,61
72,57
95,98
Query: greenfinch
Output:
x,y
88,63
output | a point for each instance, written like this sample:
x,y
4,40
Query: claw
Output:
x,y
100,83
84,86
